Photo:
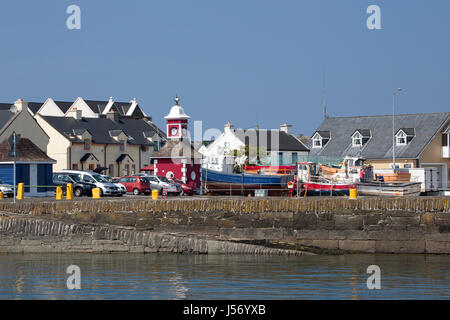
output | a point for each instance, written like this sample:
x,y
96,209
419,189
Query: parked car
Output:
x,y
163,185
80,187
122,188
137,185
7,189
106,188
187,189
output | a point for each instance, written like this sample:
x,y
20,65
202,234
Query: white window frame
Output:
x,y
318,138
401,134
357,137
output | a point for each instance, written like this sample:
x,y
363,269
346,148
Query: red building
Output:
x,y
177,158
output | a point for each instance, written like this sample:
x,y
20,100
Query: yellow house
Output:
x,y
415,141
122,145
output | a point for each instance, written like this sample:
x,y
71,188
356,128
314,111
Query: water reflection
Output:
x,y
165,276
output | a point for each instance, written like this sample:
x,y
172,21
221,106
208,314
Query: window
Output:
x,y
445,140
75,166
401,139
87,144
126,170
294,157
357,140
317,141
133,169
132,179
91,167
122,145
280,158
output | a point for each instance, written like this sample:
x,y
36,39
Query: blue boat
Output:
x,y
243,183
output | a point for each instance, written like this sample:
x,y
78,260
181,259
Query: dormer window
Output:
x,y
317,141
320,139
401,139
357,139
360,137
404,136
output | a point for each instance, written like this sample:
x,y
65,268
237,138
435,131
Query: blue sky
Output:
x,y
248,61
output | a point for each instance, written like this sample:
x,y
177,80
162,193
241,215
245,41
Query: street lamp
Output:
x,y
393,126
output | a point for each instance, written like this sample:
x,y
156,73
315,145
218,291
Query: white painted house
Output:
x,y
277,147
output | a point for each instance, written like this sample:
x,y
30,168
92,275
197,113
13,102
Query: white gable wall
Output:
x,y
86,111
216,151
51,109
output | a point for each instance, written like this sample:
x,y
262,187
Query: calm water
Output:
x,y
165,276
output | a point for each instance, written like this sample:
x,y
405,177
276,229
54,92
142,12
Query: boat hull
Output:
x,y
320,188
215,182
411,189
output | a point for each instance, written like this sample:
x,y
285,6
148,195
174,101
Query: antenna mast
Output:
x,y
324,99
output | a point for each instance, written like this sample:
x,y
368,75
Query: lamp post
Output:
x,y
393,126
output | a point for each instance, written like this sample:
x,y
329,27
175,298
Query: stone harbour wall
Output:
x,y
19,234
320,225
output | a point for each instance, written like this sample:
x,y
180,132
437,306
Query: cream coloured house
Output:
x,y
123,145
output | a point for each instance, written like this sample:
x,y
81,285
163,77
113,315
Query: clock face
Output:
x,y
173,131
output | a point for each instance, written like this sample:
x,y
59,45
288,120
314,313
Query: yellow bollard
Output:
x,y
20,191
96,193
155,194
69,191
59,193
1,195
353,194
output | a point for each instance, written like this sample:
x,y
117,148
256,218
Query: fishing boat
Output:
x,y
310,182
270,170
215,182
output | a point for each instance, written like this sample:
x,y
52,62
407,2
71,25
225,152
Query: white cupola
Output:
x,y
177,121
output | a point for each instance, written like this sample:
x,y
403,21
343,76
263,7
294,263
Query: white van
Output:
x,y
106,188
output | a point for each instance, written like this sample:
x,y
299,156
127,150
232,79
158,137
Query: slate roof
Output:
x,y
64,105
379,146
5,117
87,156
34,106
96,106
263,138
100,129
177,149
27,152
5,106
324,134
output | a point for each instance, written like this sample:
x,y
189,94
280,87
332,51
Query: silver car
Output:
x,y
7,189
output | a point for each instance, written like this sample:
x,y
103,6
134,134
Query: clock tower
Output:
x,y
177,122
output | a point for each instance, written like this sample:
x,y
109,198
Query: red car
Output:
x,y
137,185
187,189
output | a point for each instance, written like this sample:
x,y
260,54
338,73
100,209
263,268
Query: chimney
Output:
x,y
75,113
113,116
285,127
19,105
228,127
